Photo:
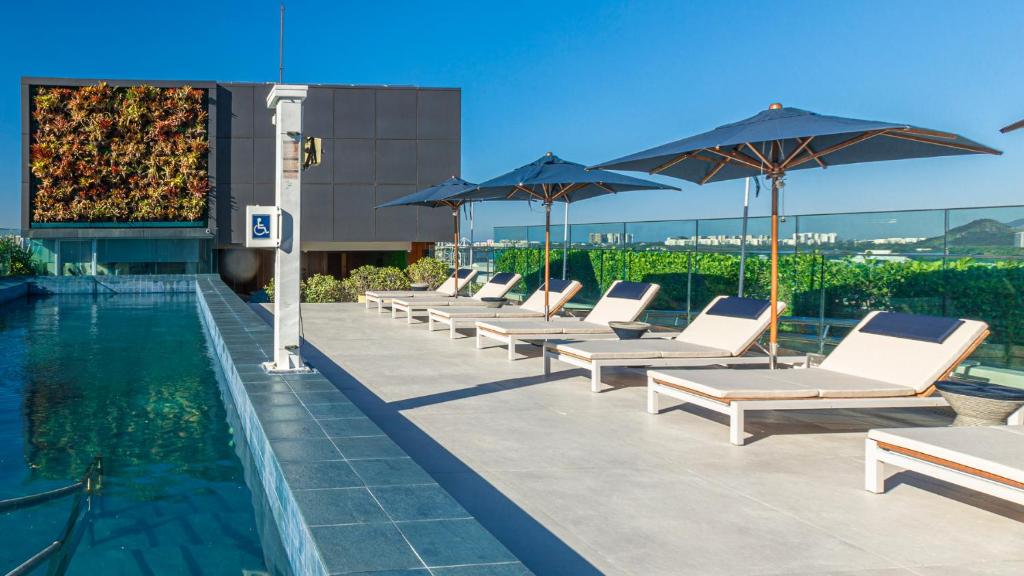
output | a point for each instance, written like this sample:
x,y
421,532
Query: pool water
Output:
x,y
130,377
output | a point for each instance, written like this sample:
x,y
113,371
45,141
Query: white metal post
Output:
x,y
286,101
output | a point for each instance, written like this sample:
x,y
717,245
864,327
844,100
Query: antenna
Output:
x,y
280,50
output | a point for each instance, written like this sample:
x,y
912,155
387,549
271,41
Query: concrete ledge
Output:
x,y
128,284
345,498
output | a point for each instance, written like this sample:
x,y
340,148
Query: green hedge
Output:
x,y
849,287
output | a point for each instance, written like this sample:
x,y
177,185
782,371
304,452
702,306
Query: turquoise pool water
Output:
x,y
129,377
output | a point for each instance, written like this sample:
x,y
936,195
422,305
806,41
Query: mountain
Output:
x,y
983,232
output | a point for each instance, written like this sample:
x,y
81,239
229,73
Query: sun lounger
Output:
x,y
723,332
889,360
989,459
497,287
381,298
624,301
561,292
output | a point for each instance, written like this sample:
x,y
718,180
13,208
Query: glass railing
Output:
x,y
966,262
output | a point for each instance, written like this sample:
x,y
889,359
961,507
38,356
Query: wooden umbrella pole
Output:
x,y
773,334
455,218
547,258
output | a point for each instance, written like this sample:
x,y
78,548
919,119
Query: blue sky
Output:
x,y
589,80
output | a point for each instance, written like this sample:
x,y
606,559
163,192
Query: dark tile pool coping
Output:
x,y
346,499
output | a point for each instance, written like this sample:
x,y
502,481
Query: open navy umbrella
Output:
x,y
441,195
550,179
779,140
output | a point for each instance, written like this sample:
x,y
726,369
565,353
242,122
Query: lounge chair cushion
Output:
x,y
394,293
483,312
737,307
554,326
933,329
997,450
502,278
613,308
643,348
628,290
838,385
561,291
730,333
901,361
729,384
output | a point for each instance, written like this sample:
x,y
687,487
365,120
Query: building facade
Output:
x,y
379,143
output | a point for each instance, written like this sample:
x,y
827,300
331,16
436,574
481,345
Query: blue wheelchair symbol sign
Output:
x,y
261,226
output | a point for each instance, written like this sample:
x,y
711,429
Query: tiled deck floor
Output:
x,y
580,483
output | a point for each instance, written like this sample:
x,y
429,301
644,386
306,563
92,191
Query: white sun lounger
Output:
x,y
497,287
381,298
561,292
989,459
624,301
871,368
723,332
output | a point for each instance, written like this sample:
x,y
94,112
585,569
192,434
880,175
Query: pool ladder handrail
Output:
x,y
91,482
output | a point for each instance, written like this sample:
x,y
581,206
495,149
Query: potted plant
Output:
x,y
427,273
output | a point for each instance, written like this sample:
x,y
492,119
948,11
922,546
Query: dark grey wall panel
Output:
x,y
439,114
239,122
317,212
263,194
262,127
318,112
240,196
436,161
240,156
354,113
353,161
264,156
394,223
396,114
435,224
396,162
353,212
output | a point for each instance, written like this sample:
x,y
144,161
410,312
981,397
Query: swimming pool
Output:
x,y
129,377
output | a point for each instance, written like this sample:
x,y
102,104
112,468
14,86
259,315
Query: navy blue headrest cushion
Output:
x,y
502,278
557,284
465,272
736,307
933,329
629,290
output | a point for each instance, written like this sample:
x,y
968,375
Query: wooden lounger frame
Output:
x,y
454,323
877,455
735,408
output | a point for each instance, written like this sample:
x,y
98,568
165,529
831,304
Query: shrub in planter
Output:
x,y
14,260
269,289
391,278
321,288
430,271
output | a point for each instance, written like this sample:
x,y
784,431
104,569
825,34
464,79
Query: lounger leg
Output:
x,y
1017,418
874,469
547,360
736,424
380,306
430,322
652,397
394,311
451,330
408,315
479,340
511,349
367,302
595,377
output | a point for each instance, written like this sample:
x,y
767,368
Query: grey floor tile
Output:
x,y
337,410
505,569
305,450
426,502
364,447
364,548
327,397
306,428
310,475
339,506
347,427
390,472
454,542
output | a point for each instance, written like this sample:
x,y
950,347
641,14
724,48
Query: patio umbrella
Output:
x,y
779,140
440,195
550,179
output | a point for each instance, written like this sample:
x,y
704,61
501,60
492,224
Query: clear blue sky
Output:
x,y
589,80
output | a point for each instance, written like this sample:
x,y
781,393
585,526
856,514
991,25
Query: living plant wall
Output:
x,y
118,154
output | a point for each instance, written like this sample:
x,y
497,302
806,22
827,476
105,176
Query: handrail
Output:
x,y
91,482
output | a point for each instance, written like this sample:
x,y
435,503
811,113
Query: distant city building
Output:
x,y
1018,239
608,238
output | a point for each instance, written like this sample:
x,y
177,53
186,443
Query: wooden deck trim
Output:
x,y
950,464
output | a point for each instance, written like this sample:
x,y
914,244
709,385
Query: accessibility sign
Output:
x,y
262,228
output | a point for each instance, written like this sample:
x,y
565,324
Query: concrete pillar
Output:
x,y
286,101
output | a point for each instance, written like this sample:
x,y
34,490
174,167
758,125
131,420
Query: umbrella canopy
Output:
x,y
780,139
550,179
440,195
